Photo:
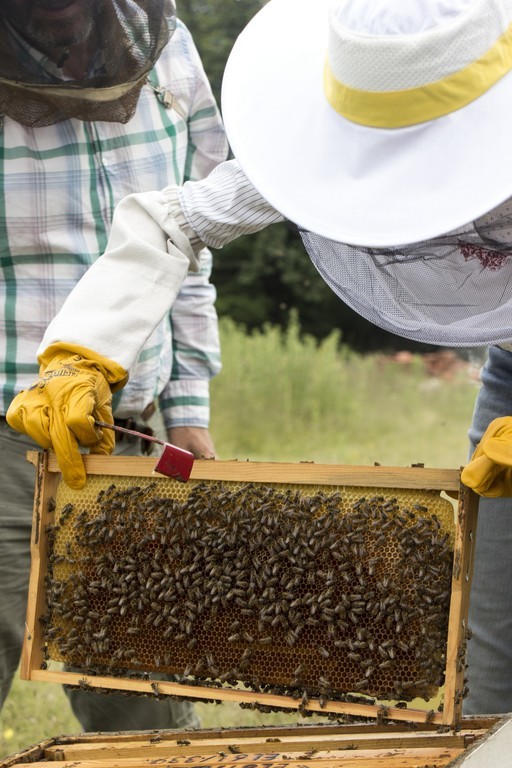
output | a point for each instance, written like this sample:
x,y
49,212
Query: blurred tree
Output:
x,y
262,278
215,25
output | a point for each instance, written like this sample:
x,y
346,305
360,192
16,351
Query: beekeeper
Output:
x,y
382,130
98,99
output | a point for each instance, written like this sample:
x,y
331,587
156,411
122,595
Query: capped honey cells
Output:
x,y
305,592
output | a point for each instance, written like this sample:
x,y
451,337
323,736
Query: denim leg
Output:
x,y
17,478
490,610
116,712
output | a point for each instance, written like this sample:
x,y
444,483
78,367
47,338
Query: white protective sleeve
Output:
x,y
153,243
123,296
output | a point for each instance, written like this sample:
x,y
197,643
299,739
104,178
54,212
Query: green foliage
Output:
x,y
34,712
286,397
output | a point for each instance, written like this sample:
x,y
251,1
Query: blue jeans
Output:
x,y
95,712
490,610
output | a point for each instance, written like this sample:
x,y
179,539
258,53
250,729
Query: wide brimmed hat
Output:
x,y
381,128
374,122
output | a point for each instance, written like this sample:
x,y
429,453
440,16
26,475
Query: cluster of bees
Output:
x,y
293,592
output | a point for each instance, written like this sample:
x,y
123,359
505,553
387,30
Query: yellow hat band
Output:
x,y
397,109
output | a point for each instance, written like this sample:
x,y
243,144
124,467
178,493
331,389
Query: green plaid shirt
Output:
x,y
60,185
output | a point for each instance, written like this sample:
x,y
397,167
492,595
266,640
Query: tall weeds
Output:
x,y
282,397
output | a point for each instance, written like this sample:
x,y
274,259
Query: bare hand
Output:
x,y
197,440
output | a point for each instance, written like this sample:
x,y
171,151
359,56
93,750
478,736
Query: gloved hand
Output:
x,y
489,472
74,388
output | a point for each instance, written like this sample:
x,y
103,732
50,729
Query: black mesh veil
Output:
x,y
454,290
130,36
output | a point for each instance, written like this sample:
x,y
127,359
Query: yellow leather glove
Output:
x,y
489,471
74,388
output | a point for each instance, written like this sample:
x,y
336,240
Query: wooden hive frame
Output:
x,y
34,667
479,741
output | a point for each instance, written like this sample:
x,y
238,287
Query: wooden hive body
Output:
x,y
318,588
484,741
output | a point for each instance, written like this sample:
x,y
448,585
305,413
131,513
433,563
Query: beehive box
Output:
x,y
484,742
317,588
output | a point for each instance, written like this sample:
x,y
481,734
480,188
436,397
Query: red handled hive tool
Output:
x,y
174,462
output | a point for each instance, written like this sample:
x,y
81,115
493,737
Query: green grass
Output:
x,y
288,399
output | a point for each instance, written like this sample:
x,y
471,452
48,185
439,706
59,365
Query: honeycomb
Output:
x,y
300,590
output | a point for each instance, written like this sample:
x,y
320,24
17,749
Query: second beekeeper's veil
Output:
x,y
382,129
131,35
